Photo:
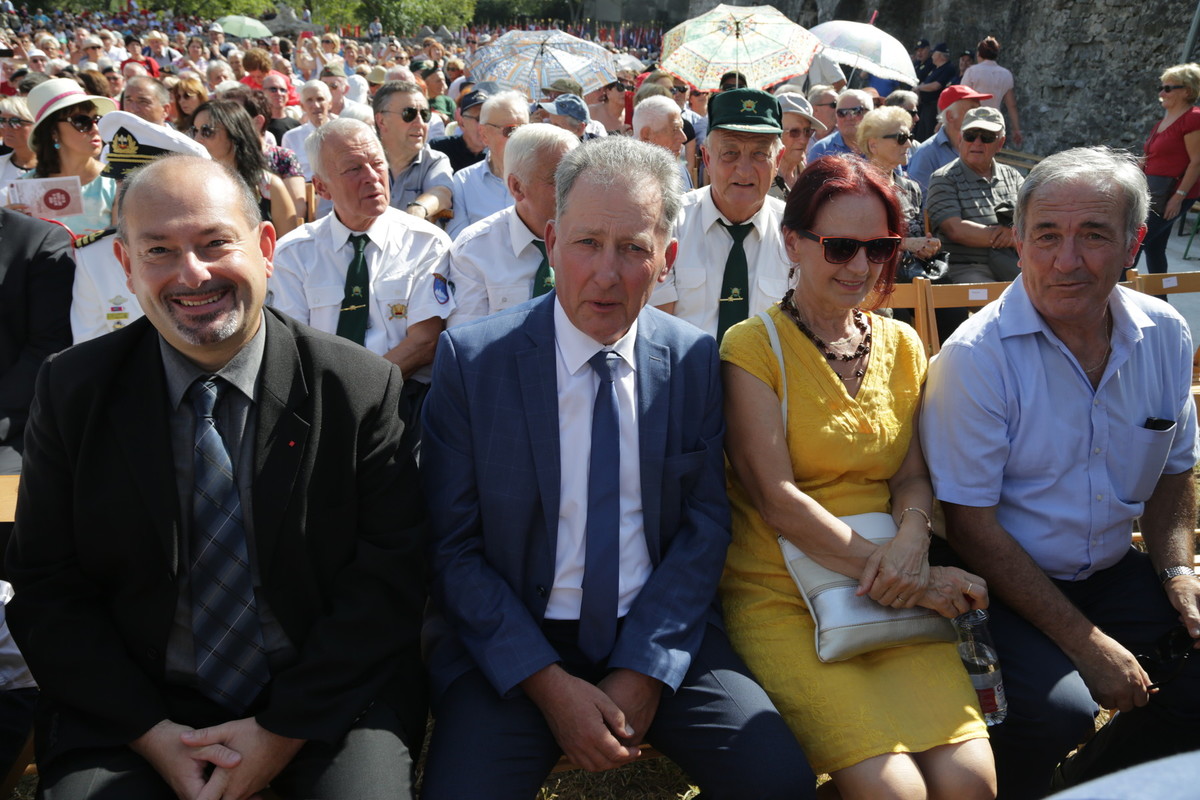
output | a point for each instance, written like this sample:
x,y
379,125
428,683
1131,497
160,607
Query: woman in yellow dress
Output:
x,y
895,723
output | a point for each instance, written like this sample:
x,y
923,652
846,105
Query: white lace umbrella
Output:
x,y
757,41
868,48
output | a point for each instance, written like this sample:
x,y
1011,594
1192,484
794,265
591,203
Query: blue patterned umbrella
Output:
x,y
528,60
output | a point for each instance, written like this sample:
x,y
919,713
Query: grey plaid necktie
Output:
x,y
231,662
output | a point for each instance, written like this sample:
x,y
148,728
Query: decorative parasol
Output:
x,y
757,41
528,60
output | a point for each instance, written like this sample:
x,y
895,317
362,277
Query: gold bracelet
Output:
x,y
922,512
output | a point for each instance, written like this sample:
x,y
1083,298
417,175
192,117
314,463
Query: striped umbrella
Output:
x,y
528,60
868,48
757,41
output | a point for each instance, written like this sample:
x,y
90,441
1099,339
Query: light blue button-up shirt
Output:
x,y
478,193
1011,420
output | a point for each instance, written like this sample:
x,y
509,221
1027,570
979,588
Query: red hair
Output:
x,y
830,176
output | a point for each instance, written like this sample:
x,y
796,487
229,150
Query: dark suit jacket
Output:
x,y
36,271
338,522
490,463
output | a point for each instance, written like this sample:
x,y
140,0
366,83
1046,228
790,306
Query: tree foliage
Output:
x,y
405,17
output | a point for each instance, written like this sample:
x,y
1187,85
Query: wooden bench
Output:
x,y
1023,162
8,497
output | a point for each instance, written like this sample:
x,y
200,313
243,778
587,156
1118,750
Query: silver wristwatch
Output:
x,y
1174,572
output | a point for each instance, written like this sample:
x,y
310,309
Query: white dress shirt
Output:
x,y
294,140
477,193
577,385
406,261
694,285
100,298
492,266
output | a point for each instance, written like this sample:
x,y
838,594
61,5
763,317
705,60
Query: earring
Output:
x,y
57,145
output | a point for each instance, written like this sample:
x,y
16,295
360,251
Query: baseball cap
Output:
x,y
568,105
985,119
333,71
473,98
921,43
745,110
566,86
795,103
952,94
942,47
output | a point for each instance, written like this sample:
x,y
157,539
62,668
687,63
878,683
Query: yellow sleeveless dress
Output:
x,y
843,450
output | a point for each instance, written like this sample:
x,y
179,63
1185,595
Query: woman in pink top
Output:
x,y
1172,159
989,77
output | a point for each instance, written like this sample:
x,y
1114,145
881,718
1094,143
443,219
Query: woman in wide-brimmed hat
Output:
x,y
67,141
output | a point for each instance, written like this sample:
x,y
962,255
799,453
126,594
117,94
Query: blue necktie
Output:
x,y
598,610
231,662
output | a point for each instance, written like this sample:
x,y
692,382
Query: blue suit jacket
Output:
x,y
490,463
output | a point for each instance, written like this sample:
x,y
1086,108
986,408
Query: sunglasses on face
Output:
x,y
912,113
726,87
14,122
839,249
856,111
679,90
799,133
472,117
505,130
82,122
204,131
1168,88
410,113
902,138
987,136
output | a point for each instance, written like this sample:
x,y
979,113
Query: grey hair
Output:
x,y
242,195
16,105
863,98
342,126
217,67
399,72
514,102
160,92
622,159
531,144
900,97
316,86
1112,171
389,88
653,113
361,112
819,89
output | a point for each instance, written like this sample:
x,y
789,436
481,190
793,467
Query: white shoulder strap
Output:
x,y
773,334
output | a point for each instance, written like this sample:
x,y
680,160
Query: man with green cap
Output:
x,y
731,261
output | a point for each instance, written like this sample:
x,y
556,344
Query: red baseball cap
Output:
x,y
952,94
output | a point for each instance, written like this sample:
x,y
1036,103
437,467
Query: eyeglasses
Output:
x,y
856,111
410,113
839,249
14,122
1171,652
1166,87
276,89
913,113
831,104
679,90
82,122
800,133
728,87
204,131
327,41
987,136
902,138
505,130
472,117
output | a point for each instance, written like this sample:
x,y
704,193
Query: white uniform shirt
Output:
x,y
100,298
577,384
694,285
478,193
492,266
406,261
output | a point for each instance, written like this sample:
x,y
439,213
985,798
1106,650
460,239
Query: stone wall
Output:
x,y
1086,71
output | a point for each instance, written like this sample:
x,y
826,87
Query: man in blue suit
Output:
x,y
574,464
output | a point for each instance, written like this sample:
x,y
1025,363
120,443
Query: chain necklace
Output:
x,y
1107,350
861,352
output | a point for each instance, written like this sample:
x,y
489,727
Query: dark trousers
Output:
x,y
1050,710
720,728
1158,234
370,763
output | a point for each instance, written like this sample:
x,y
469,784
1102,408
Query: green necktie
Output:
x,y
543,279
352,321
734,304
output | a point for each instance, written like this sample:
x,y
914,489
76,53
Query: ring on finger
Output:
x,y
969,587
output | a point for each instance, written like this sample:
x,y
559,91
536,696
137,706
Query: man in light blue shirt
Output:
x,y
1053,419
479,190
940,149
852,104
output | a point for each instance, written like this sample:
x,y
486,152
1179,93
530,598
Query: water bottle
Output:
x,y
978,655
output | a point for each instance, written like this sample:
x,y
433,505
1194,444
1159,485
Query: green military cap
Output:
x,y
745,110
